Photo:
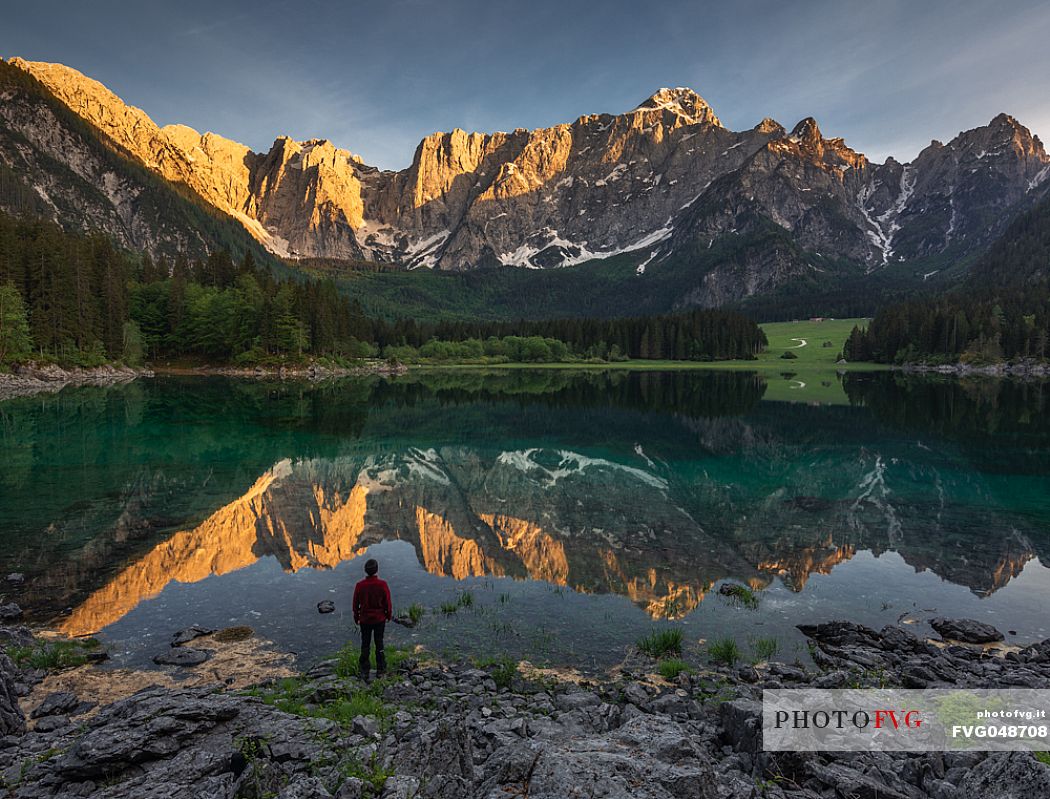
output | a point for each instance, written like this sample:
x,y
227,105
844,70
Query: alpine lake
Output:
x,y
552,515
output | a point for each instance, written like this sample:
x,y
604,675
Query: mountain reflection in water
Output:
x,y
652,487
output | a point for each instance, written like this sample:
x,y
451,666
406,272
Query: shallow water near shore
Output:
x,y
554,516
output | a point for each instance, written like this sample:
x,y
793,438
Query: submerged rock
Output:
x,y
229,635
188,634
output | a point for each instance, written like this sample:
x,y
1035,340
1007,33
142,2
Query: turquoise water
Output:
x,y
577,511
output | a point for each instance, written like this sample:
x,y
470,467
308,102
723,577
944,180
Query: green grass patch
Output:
x,y
354,698
502,668
1042,757
348,660
415,613
740,594
724,651
291,695
360,703
51,655
371,773
661,643
765,648
464,600
670,669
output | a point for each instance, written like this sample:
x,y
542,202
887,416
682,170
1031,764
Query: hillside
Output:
x,y
56,165
1001,312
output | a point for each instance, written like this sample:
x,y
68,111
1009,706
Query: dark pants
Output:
x,y
369,631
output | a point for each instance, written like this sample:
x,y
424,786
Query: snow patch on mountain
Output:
x,y
1038,180
571,464
575,252
640,270
882,229
426,252
613,176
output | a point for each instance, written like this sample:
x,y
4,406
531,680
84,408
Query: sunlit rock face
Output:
x,y
664,179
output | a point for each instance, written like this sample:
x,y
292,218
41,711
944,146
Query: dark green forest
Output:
x,y
1001,312
77,299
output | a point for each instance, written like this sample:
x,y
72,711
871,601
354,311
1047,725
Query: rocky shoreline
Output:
x,y
312,371
1026,368
28,379
448,730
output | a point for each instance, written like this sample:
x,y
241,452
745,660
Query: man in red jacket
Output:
x,y
372,610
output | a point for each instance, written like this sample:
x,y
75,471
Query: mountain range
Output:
x,y
665,187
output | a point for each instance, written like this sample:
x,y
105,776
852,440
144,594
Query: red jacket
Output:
x,y
372,601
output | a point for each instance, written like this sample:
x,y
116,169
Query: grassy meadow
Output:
x,y
811,376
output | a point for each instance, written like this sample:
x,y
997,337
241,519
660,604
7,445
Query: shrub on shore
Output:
x,y
661,643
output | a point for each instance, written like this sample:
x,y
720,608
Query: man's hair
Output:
x,y
372,566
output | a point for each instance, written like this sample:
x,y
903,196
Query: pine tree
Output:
x,y
15,340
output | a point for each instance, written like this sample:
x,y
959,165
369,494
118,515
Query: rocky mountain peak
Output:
x,y
1004,120
1008,127
771,127
685,103
807,132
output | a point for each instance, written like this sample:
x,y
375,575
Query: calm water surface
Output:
x,y
578,511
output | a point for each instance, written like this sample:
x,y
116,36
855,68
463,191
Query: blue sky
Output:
x,y
376,77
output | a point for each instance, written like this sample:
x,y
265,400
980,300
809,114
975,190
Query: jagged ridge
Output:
x,y
663,179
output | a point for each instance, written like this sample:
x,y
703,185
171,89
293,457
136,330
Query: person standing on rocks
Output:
x,y
372,610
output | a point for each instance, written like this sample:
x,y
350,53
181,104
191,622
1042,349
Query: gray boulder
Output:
x,y
403,786
305,788
575,700
12,722
742,722
188,634
51,723
649,757
636,694
1006,775
969,631
365,725
852,783
151,725
444,748
352,788
1036,653
57,703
